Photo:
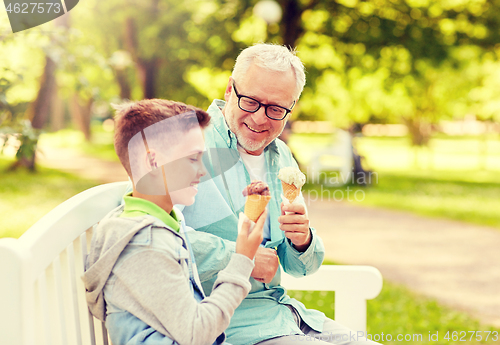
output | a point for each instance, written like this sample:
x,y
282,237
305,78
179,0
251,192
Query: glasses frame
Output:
x,y
288,111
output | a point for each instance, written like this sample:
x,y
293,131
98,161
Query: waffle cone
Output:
x,y
290,191
255,205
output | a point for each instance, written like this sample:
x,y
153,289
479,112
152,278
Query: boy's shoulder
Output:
x,y
115,233
115,225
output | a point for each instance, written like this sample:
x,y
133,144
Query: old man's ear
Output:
x,y
229,89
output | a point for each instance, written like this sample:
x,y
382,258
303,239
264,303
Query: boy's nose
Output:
x,y
202,171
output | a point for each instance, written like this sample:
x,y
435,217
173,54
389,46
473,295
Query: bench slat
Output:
x,y
44,308
75,314
59,297
88,324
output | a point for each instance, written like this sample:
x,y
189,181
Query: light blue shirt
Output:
x,y
263,314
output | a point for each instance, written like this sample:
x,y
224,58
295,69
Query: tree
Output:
x,y
14,103
166,43
13,126
380,60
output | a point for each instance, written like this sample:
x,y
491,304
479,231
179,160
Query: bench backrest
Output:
x,y
42,296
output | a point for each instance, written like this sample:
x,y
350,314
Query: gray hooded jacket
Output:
x,y
140,265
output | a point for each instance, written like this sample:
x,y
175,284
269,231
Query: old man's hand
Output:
x,y
294,221
266,264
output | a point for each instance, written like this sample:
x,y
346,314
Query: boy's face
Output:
x,y
186,167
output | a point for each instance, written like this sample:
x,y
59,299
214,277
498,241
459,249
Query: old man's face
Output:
x,y
255,131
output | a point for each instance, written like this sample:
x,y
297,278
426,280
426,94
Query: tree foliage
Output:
x,y
386,61
394,60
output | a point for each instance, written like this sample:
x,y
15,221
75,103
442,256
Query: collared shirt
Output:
x,y
137,207
264,313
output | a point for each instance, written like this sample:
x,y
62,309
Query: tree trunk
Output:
x,y
147,73
38,112
40,108
125,89
420,131
82,114
291,28
57,113
24,162
146,68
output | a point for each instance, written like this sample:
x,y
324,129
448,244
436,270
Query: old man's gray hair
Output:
x,y
272,57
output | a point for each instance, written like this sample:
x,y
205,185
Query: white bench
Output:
x,y
42,297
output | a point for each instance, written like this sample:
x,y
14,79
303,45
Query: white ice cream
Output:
x,y
293,176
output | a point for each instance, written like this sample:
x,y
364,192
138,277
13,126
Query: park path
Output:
x,y
72,161
456,263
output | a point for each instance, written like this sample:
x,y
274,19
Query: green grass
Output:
x,y
429,194
453,189
444,153
25,197
399,311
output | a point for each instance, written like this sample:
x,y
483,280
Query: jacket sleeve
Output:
x,y
153,286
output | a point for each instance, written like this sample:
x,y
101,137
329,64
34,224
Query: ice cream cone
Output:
x,y
255,205
290,191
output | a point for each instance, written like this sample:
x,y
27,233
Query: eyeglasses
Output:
x,y
274,112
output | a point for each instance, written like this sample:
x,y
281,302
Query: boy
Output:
x,y
141,277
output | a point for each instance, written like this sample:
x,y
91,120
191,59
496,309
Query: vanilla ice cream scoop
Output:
x,y
292,176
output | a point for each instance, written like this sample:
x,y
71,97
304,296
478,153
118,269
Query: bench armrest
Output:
x,y
353,285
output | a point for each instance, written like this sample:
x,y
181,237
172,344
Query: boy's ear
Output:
x,y
151,160
229,89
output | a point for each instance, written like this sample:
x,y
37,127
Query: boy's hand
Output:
x,y
248,243
295,224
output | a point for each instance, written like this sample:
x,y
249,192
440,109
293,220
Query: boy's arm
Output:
x,y
212,254
154,282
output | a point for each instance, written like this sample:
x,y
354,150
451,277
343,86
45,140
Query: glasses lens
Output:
x,y
248,104
276,112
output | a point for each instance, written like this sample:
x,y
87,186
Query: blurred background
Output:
x,y
401,105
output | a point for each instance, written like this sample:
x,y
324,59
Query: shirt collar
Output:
x,y
219,122
137,207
